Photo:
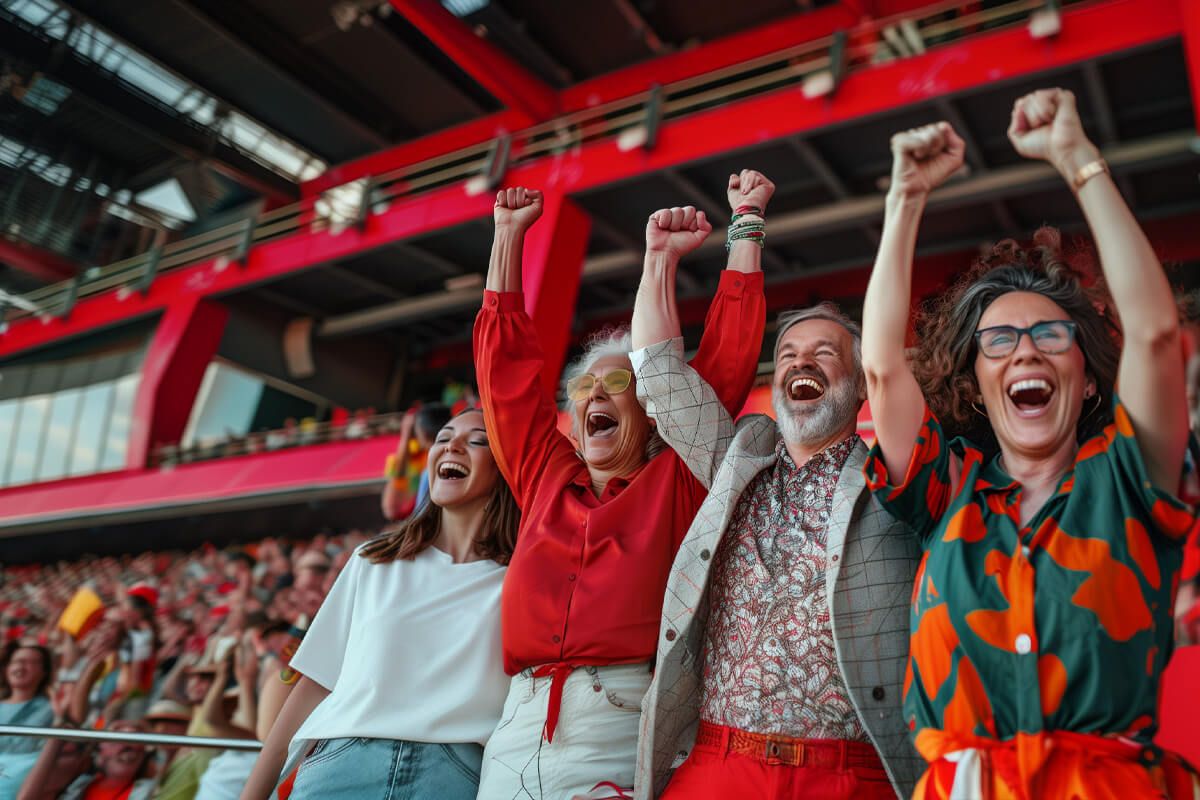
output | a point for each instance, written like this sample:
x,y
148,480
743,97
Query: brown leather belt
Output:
x,y
824,753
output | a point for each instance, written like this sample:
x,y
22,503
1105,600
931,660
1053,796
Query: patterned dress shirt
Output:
x,y
769,660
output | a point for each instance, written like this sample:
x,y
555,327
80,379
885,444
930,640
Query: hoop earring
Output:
x,y
1095,406
979,410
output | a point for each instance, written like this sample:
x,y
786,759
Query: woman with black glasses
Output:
x,y
1041,615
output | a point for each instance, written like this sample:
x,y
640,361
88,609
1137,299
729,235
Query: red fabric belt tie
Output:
x,y
557,673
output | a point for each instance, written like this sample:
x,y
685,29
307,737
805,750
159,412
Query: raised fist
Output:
x,y
1045,125
676,231
749,188
923,158
517,208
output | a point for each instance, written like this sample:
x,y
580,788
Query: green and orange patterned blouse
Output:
x,y
1063,624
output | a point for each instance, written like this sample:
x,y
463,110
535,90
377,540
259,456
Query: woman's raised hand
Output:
x,y
923,158
676,231
517,208
749,188
1045,125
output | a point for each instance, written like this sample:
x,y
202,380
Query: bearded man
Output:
x,y
784,638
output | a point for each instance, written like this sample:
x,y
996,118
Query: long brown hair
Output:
x,y
944,362
501,517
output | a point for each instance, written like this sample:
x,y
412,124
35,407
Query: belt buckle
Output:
x,y
789,753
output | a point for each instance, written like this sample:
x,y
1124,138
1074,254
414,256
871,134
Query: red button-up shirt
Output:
x,y
586,583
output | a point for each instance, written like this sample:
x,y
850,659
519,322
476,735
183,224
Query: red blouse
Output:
x,y
586,582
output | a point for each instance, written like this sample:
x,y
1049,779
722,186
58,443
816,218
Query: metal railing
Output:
x,y
273,441
634,117
132,737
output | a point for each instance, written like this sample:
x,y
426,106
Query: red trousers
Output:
x,y
714,771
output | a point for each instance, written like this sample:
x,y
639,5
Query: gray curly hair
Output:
x,y
615,341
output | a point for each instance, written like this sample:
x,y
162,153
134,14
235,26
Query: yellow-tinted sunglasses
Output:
x,y
614,382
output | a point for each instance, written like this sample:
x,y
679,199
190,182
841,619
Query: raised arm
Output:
x,y
921,160
671,233
686,410
515,212
1045,125
305,697
520,418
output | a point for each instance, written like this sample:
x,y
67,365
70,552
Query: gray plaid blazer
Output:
x,y
872,564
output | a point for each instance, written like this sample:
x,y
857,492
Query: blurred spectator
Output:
x,y
358,427
308,430
291,432
405,470
117,770
205,635
25,675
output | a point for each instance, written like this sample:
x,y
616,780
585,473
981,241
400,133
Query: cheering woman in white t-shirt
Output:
x,y
402,678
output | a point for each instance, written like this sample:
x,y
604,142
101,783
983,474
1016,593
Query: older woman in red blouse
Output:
x,y
604,510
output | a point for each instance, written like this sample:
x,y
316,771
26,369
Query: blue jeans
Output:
x,y
389,770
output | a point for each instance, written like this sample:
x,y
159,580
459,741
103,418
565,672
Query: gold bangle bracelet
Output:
x,y
1087,172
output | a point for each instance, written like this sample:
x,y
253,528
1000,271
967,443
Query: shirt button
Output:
x,y
1023,644
878,693
737,283
556,638
571,577
1025,550
670,635
705,555
835,558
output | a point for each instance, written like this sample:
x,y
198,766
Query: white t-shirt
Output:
x,y
409,650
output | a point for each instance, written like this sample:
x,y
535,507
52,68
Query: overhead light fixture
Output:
x,y
1046,21
462,8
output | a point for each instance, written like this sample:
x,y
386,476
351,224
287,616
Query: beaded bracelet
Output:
x,y
749,228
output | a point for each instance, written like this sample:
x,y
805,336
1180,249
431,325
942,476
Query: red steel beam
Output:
x,y
42,264
552,265
727,51
1191,49
1088,32
493,69
477,131
179,353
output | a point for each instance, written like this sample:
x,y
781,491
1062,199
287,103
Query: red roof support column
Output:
x,y
183,345
1190,10
554,252
490,67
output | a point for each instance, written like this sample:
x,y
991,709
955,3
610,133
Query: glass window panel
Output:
x,y
60,427
8,421
225,406
89,437
30,427
116,442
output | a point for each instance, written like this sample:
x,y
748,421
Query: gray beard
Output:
x,y
811,425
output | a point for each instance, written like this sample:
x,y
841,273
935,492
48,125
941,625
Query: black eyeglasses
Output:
x,y
1051,337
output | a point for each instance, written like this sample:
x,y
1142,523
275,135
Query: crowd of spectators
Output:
x,y
171,642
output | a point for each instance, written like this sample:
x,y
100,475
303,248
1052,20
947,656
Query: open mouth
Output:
x,y
601,425
1031,395
452,471
804,388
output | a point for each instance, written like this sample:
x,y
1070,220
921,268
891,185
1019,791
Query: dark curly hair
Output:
x,y
944,361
